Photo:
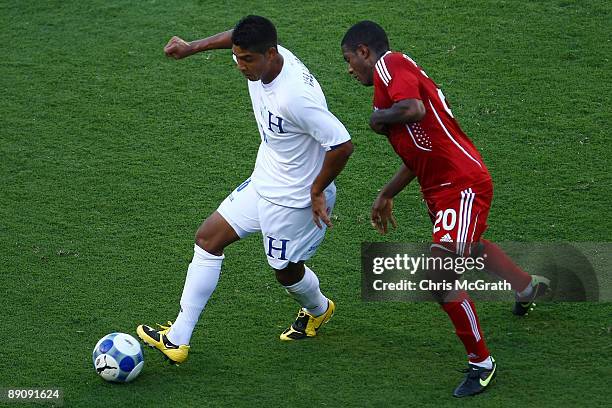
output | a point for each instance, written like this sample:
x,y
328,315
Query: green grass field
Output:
x,y
111,155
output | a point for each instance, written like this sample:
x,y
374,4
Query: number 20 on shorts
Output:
x,y
448,218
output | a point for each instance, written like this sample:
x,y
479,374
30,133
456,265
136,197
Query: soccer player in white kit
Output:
x,y
288,197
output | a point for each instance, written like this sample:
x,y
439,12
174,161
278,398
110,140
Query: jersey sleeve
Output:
x,y
317,121
398,78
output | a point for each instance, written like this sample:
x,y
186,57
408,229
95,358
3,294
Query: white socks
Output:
x,y
525,293
486,363
307,293
200,283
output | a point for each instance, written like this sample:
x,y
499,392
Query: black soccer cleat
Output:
x,y
523,306
476,380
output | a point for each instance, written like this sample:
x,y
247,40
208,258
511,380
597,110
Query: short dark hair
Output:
x,y
367,33
255,33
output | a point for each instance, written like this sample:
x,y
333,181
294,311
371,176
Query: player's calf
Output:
x,y
315,310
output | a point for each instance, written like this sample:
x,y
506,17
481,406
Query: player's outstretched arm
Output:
x,y
382,208
178,48
334,162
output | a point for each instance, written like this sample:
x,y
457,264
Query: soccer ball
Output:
x,y
118,357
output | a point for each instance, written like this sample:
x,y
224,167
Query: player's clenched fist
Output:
x,y
177,48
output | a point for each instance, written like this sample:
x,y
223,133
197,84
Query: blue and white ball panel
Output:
x,y
135,372
118,357
106,366
126,344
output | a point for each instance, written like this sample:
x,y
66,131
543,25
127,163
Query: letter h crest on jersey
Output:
x,y
275,123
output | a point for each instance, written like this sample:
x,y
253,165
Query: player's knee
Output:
x,y
291,274
441,278
208,242
477,249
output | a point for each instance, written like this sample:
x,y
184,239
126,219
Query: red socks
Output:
x,y
500,264
462,311
463,315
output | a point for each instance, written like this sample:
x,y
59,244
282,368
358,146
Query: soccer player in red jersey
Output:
x,y
413,113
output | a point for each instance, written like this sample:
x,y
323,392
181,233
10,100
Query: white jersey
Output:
x,y
296,130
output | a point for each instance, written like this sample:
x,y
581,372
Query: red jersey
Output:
x,y
435,149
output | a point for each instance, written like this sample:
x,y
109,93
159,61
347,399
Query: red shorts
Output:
x,y
459,217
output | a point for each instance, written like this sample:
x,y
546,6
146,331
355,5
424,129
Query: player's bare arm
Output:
x,y
178,48
404,111
334,162
382,208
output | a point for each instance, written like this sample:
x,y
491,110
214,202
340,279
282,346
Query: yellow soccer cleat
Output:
x,y
307,325
158,339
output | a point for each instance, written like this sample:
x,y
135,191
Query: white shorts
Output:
x,y
289,234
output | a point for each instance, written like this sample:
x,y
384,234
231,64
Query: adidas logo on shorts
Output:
x,y
446,238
